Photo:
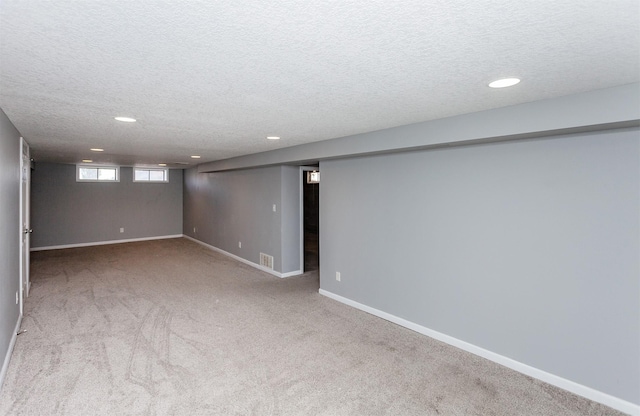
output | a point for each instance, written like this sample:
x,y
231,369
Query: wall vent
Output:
x,y
266,261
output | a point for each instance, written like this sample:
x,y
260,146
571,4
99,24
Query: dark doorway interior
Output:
x,y
311,196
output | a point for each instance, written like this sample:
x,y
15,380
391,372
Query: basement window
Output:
x,y
97,173
150,175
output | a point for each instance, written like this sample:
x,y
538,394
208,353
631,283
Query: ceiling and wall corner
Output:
x,y
216,78
576,113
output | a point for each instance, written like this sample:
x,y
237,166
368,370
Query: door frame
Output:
x,y
25,222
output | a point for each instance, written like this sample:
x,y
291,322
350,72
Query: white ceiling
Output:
x,y
215,78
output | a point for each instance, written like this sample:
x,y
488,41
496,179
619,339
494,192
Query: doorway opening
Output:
x,y
311,220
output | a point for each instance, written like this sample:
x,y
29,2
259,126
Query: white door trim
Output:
x,y
25,222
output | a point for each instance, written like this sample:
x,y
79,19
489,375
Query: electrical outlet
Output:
x,y
121,229
338,277
194,230
274,208
239,244
17,297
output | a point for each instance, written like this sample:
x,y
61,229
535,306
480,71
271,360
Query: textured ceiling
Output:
x,y
215,78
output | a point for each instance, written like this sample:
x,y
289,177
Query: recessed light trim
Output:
x,y
96,149
195,157
126,119
273,138
504,82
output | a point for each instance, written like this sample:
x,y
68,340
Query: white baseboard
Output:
x,y
7,358
573,387
293,273
102,243
245,261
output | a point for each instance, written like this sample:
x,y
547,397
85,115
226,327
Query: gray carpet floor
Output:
x,y
169,327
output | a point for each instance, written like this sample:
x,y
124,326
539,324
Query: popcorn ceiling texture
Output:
x,y
215,78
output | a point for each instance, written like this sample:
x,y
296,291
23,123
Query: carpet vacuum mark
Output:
x,y
168,327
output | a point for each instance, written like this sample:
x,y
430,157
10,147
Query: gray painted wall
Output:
x,y
231,207
9,231
291,181
485,242
528,249
64,211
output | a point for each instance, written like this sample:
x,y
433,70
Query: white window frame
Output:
x,y
165,170
116,168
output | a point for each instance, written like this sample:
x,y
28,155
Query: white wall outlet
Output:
x,y
274,208
338,277
194,230
121,229
239,244
17,297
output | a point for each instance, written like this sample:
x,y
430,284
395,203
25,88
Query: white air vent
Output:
x,y
266,261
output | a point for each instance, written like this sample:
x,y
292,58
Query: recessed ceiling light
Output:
x,y
162,164
87,160
97,150
195,157
273,137
126,119
504,82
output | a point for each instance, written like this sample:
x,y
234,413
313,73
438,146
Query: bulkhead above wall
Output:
x,y
615,107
